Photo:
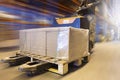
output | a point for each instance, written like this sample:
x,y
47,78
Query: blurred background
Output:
x,y
16,15
108,21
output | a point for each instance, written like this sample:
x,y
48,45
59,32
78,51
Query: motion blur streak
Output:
x,y
111,18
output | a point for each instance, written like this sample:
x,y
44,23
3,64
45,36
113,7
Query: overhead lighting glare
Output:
x,y
112,16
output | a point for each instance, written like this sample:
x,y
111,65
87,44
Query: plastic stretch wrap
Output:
x,y
62,42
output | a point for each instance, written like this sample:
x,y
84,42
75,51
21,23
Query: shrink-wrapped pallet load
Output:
x,y
65,43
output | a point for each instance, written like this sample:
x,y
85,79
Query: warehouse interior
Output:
x,y
96,20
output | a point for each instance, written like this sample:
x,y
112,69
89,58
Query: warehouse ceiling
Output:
x,y
27,11
52,7
10,9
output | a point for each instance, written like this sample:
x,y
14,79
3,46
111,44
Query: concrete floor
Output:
x,y
104,65
9,43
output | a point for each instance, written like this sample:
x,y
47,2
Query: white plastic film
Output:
x,y
63,44
38,44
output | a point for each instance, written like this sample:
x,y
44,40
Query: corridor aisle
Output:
x,y
104,64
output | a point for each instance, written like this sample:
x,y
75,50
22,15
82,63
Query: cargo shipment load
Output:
x,y
66,43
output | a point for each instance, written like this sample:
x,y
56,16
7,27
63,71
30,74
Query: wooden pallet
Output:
x,y
62,64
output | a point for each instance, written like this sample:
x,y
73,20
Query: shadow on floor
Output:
x,y
22,77
7,49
